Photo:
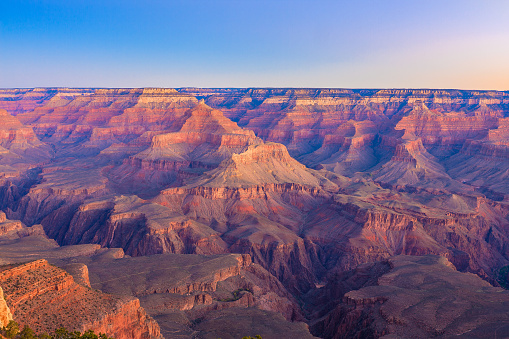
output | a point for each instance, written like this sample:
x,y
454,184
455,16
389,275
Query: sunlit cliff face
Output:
x,y
299,187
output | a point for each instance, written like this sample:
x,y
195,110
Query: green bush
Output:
x,y
12,331
26,333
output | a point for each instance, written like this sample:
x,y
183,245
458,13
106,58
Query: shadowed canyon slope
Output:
x,y
411,297
301,185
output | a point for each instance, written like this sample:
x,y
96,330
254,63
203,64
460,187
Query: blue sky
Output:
x,y
255,43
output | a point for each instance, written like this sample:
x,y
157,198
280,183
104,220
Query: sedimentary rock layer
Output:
x,y
411,296
309,182
45,298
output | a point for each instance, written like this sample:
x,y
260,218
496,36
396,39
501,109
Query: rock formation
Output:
x,y
189,287
410,296
45,298
5,312
310,183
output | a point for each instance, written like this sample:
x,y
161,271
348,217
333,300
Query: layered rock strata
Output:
x,y
192,286
157,171
45,298
418,297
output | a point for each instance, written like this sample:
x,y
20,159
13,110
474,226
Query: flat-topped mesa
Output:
x,y
260,196
107,109
155,108
302,118
267,163
266,153
205,124
86,109
156,99
45,297
263,172
233,97
205,139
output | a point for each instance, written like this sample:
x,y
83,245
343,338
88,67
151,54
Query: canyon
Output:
x,y
205,213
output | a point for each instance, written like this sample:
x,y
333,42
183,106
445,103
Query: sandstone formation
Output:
x,y
20,148
179,289
5,312
310,183
45,298
204,140
417,297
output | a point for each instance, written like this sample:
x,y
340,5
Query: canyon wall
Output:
x,y
309,183
5,312
46,298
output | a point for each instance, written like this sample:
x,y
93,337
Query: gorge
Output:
x,y
205,213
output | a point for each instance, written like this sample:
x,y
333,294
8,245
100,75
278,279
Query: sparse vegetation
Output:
x,y
236,295
502,277
11,331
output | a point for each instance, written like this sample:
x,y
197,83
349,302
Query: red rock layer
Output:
x,y
45,298
303,118
5,312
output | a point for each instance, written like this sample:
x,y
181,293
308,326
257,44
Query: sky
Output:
x,y
461,44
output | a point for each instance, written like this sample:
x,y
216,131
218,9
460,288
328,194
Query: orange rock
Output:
x,y
45,298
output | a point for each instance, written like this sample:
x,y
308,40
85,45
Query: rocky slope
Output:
x,y
309,182
180,291
20,148
177,290
410,296
45,298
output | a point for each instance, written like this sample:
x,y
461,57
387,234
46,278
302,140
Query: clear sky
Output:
x,y
255,43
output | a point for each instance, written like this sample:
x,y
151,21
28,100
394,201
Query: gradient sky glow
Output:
x,y
255,43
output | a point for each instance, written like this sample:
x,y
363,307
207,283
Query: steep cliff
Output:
x,y
193,286
5,312
418,297
205,138
483,163
20,148
45,298
304,117
309,182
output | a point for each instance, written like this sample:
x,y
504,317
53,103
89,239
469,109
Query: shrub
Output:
x,y
11,331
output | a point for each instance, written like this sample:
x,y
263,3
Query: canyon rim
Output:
x,y
205,213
